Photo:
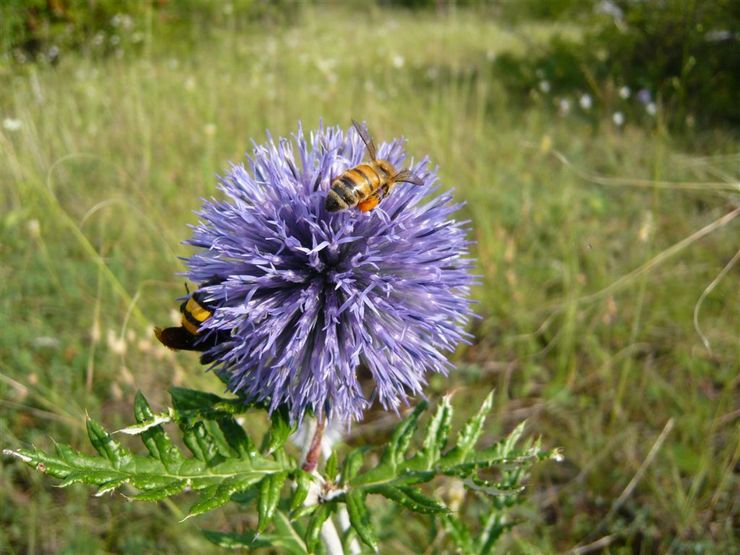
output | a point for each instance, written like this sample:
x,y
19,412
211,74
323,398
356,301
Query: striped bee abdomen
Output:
x,y
355,186
194,314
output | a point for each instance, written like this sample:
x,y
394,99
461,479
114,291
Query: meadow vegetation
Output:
x,y
608,291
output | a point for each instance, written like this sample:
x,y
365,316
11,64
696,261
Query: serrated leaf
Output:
x,y
191,403
473,428
459,534
359,518
269,496
313,530
236,437
200,442
220,442
231,540
437,432
156,420
40,461
491,531
290,539
73,458
509,444
352,464
110,486
105,445
303,511
246,498
223,492
401,438
155,439
330,470
89,477
280,430
303,483
157,494
410,498
380,474
286,540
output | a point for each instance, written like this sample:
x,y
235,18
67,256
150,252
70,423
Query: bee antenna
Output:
x,y
187,289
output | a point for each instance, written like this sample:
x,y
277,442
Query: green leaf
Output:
x,y
359,517
399,442
269,496
110,486
246,498
410,498
303,483
380,474
90,477
352,464
225,462
225,465
470,432
330,470
459,534
493,527
230,540
236,437
280,430
190,403
105,445
290,540
157,494
219,495
155,439
437,432
313,530
138,429
286,541
200,442
303,511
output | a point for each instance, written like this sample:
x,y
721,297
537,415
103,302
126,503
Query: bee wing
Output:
x,y
367,139
406,176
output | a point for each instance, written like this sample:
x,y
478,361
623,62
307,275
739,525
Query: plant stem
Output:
x,y
314,450
329,535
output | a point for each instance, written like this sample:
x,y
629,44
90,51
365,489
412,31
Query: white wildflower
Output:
x,y
12,124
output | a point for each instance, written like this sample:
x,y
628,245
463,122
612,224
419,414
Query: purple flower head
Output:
x,y
308,296
644,97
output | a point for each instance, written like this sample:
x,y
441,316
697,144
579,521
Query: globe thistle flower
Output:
x,y
309,297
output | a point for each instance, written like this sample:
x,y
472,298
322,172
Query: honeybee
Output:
x,y
195,311
364,186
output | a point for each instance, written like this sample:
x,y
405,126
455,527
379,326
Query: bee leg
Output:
x,y
369,204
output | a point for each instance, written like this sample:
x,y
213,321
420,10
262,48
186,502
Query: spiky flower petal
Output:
x,y
311,297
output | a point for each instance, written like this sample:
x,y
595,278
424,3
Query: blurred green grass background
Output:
x,y
597,286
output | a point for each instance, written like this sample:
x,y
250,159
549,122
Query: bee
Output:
x,y
195,311
364,186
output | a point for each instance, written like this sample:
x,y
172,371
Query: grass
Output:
x,y
592,268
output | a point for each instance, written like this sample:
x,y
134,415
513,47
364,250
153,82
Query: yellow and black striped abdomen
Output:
x,y
355,186
194,314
